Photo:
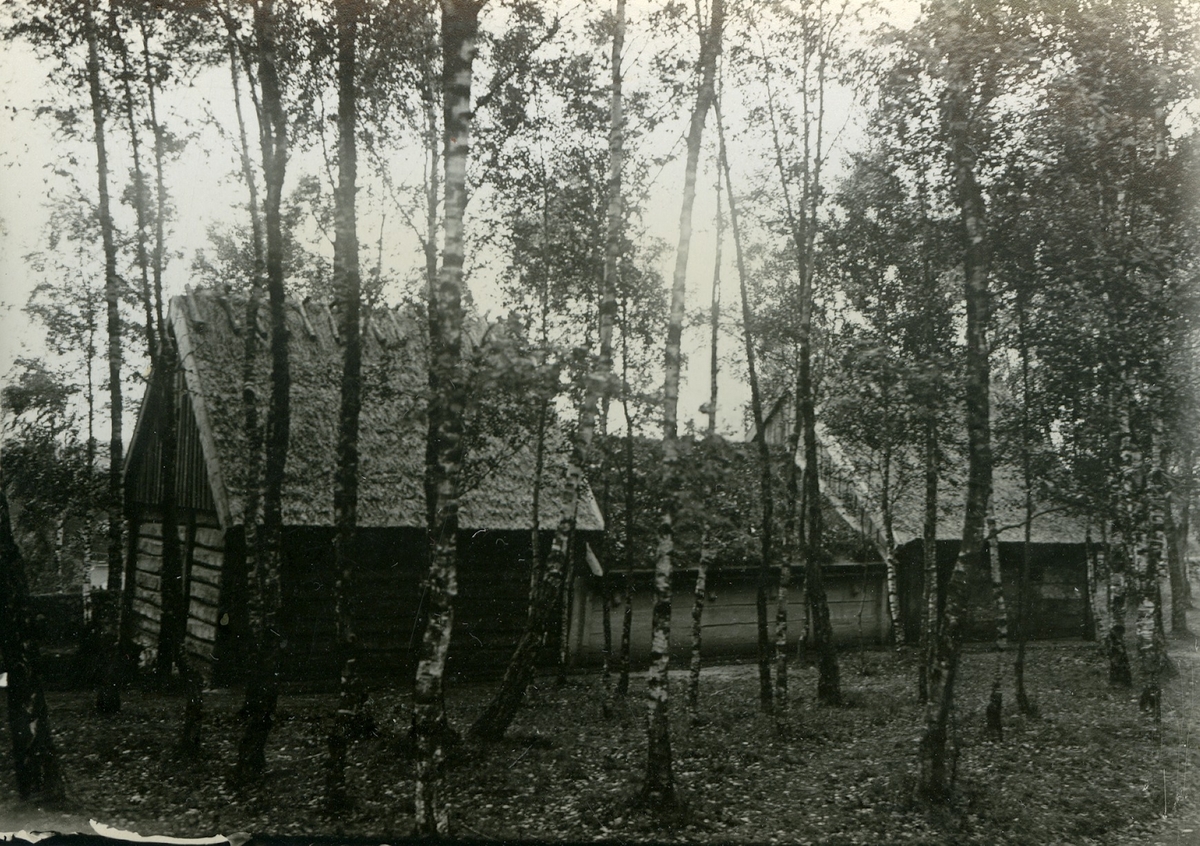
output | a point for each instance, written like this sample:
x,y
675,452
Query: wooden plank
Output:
x,y
204,610
150,530
202,631
150,547
206,575
205,592
144,608
148,581
146,634
210,538
141,604
211,558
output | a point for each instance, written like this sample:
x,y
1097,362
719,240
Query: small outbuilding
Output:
x,y
496,510
1059,577
853,573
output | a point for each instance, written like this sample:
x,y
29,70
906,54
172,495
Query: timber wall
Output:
x,y
202,544
1058,589
729,626
388,603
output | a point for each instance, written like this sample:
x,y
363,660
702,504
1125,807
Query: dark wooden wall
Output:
x,y
490,610
386,599
1058,589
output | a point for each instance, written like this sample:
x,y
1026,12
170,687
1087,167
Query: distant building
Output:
x,y
853,580
1059,575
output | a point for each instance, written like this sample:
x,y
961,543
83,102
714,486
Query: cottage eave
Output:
x,y
194,383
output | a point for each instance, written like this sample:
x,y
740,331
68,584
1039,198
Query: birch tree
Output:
x,y
810,36
762,448
348,284
262,690
658,789
108,695
963,105
496,718
460,30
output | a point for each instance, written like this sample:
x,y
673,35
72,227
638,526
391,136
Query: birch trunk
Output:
x,y
930,618
566,596
1101,574
108,694
714,320
252,470
627,613
1119,671
348,286
496,718
890,564
460,28
802,227
1150,637
174,592
1127,559
698,597
936,756
1177,543
658,789
173,625
1024,704
763,449
995,707
262,689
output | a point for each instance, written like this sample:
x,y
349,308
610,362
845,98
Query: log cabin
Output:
x,y
496,509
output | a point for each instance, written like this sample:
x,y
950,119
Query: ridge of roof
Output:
x,y
1050,524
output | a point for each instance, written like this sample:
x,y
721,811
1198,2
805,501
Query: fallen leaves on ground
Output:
x,y
1089,769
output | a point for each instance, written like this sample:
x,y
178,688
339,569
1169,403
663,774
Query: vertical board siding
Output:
x,y
1057,589
386,600
191,486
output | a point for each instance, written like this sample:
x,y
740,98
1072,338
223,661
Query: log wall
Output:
x,y
202,545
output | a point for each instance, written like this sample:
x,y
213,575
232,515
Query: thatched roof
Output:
x,y
853,482
209,329
1052,523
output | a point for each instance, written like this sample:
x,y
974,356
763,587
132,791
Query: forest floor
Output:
x,y
1089,769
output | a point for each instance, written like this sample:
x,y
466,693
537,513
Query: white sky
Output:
x,y
205,187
